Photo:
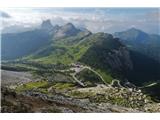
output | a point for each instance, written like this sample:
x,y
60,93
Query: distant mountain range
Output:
x,y
129,55
137,40
18,45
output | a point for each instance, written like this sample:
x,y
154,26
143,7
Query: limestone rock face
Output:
x,y
66,30
119,59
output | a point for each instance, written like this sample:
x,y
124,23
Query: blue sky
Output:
x,y
95,19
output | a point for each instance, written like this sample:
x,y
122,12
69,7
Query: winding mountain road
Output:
x,y
79,68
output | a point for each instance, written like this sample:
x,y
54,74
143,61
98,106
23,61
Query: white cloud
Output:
x,y
95,19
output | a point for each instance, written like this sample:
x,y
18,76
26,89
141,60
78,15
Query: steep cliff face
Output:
x,y
119,59
109,54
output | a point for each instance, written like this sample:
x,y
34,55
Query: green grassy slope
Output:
x,y
78,49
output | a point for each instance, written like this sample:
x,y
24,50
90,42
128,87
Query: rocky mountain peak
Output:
x,y
133,34
70,25
46,24
56,26
135,31
67,30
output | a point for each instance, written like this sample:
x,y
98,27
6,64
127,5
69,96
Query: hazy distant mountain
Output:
x,y
67,30
17,45
142,42
46,25
4,14
16,29
133,35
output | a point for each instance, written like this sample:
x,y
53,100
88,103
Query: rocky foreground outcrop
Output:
x,y
94,99
37,102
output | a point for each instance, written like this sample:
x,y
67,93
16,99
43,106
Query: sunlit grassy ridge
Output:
x,y
66,50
